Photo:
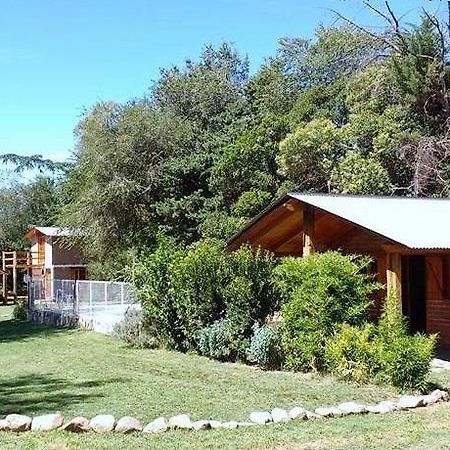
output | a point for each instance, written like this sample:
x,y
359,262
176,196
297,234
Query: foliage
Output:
x,y
320,292
357,174
135,330
385,352
265,347
149,272
20,311
306,155
405,359
216,341
184,290
24,205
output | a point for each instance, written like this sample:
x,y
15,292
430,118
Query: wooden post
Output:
x,y
5,279
14,273
394,275
308,231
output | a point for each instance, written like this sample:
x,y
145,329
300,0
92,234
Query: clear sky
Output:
x,y
60,56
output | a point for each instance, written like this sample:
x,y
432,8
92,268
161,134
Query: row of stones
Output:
x,y
105,422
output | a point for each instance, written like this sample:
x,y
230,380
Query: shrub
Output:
x,y
195,283
215,341
351,354
136,331
150,274
265,348
404,359
20,311
319,293
384,353
249,295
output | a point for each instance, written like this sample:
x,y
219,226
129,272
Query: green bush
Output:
x,y
404,359
216,341
195,284
249,294
320,292
136,331
184,290
150,274
20,311
352,354
385,352
265,348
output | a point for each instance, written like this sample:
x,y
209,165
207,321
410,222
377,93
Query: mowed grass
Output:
x,y
79,373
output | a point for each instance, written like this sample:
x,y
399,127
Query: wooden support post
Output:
x,y
14,274
394,275
5,279
308,231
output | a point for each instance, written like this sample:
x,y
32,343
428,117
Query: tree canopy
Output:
x,y
350,111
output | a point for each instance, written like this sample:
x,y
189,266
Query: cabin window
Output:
x,y
445,276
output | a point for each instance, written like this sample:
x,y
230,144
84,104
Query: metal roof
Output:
x,y
418,223
55,231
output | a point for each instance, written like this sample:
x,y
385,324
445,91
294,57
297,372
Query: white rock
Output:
x,y
232,425
158,425
77,425
246,424
313,415
215,424
47,422
182,421
128,424
352,408
102,423
331,411
4,425
297,413
410,401
201,425
18,422
279,415
383,407
260,417
435,396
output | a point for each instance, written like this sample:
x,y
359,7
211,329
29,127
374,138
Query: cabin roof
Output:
x,y
417,223
52,231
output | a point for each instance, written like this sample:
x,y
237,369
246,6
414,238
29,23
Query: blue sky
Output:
x,y
60,56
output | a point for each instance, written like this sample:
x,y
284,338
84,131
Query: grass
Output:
x,y
79,373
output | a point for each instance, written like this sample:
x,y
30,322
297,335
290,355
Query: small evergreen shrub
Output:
x,y
135,331
150,274
20,311
404,359
215,341
265,348
386,352
351,354
319,293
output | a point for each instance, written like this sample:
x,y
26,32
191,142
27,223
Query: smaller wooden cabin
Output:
x,y
408,239
51,257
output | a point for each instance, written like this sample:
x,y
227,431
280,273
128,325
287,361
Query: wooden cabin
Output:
x,y
408,239
51,256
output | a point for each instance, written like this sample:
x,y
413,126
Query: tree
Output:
x,y
26,205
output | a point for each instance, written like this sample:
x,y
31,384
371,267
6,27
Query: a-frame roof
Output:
x,y
416,223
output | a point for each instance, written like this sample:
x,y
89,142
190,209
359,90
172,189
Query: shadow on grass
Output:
x,y
31,394
15,330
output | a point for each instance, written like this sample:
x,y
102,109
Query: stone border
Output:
x,y
105,423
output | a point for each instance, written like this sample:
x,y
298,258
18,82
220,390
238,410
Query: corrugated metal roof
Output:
x,y
55,231
418,223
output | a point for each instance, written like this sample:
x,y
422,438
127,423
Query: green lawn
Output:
x,y
79,373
